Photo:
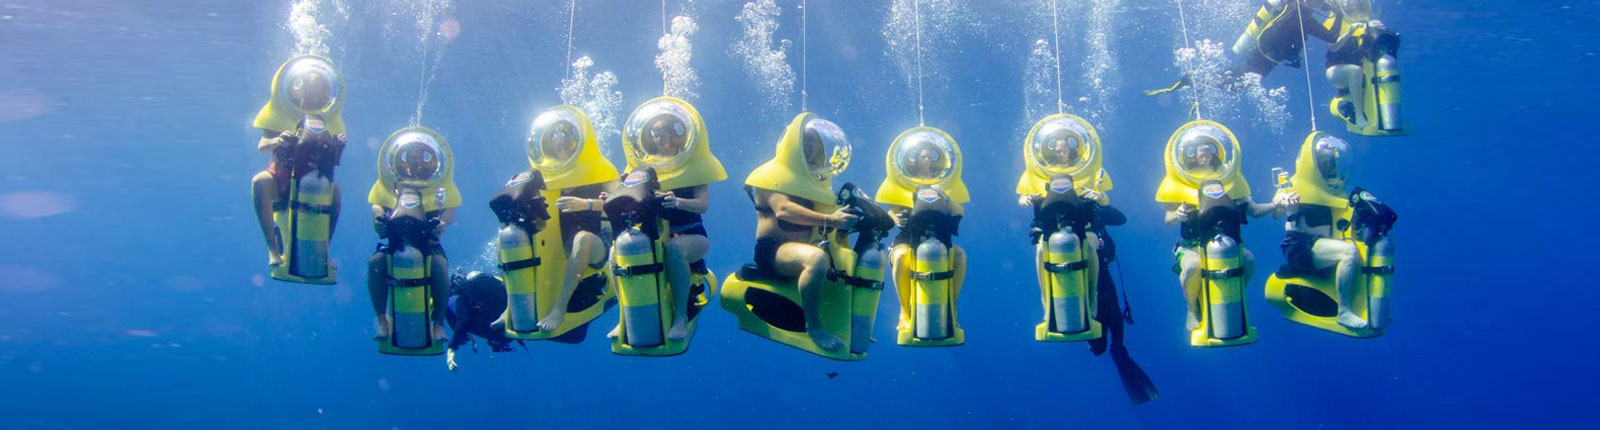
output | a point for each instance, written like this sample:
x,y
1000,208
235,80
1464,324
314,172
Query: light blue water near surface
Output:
x,y
130,257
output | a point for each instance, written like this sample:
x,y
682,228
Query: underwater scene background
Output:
x,y
132,289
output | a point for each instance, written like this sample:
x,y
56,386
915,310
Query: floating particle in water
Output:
x,y
383,383
185,283
36,204
26,104
258,280
16,279
449,29
139,332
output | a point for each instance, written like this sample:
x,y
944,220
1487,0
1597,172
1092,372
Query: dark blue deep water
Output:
x,y
131,264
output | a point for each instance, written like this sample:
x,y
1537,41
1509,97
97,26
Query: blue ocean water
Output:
x,y
131,289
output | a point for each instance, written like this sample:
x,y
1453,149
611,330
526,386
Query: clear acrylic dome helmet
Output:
x,y
1329,154
555,140
923,157
660,134
826,149
1063,145
311,85
415,159
1203,152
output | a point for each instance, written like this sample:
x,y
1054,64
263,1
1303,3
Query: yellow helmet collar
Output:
x,y
1062,143
282,113
668,133
1198,151
562,145
922,156
795,171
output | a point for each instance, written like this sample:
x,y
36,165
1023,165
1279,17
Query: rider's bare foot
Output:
x,y
550,322
826,341
381,327
679,330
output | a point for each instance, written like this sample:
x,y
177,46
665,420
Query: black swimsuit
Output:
x,y
683,222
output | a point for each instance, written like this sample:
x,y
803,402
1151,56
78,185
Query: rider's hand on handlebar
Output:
x,y
843,219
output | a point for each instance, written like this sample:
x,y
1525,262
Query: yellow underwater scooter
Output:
x,y
1378,48
769,306
532,258
304,217
1312,298
639,255
924,177
1062,155
409,234
1212,190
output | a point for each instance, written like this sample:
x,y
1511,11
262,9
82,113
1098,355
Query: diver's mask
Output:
x,y
661,135
311,85
1063,146
555,140
923,157
826,149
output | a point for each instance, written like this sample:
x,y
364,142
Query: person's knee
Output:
x,y
1347,254
813,259
673,249
376,264
587,246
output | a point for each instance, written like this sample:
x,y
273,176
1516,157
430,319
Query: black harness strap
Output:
x,y
1067,267
644,269
316,209
1385,270
699,266
411,283
519,264
932,276
862,283
1222,274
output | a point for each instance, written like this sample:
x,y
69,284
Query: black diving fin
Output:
x,y
1134,380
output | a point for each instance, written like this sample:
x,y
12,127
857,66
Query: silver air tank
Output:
x,y
310,252
869,263
933,311
523,309
1226,300
641,306
1382,255
1067,306
1387,80
410,327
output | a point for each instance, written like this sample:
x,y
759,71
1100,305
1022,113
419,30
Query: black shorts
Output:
x,y
697,229
767,255
1297,250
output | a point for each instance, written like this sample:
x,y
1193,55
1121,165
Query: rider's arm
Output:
x,y
786,210
445,217
1175,214
269,141
1258,210
698,204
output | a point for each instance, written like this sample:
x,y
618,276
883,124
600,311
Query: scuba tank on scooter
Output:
x,y
1062,217
522,212
408,233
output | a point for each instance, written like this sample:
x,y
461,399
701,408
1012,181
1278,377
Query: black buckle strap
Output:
x,y
310,208
699,266
863,283
1066,267
519,264
933,276
644,269
412,283
1222,274
1385,270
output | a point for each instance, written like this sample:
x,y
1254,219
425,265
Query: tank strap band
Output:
x,y
519,264
1380,79
1223,274
412,283
1384,270
932,276
1067,267
863,283
310,208
643,269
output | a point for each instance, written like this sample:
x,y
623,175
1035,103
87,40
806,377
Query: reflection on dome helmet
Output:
x,y
1205,151
825,147
1326,152
415,159
923,157
660,134
555,139
1063,145
311,85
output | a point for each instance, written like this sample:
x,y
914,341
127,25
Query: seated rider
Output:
x,y
560,145
418,165
924,161
1063,150
787,224
1345,55
665,136
477,300
311,89
1310,241
1200,158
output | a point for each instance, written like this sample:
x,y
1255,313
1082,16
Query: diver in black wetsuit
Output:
x,y
1111,318
477,300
